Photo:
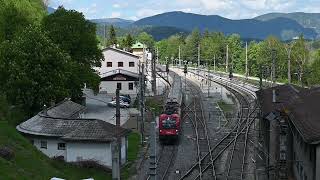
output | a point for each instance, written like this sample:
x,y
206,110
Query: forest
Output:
x,y
303,56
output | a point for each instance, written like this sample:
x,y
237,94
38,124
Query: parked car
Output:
x,y
123,98
122,104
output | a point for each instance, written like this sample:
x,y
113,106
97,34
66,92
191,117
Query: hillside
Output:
x,y
307,20
283,28
113,21
29,163
158,32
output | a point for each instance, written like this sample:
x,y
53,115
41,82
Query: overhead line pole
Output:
x,y
179,56
116,144
198,60
247,73
227,58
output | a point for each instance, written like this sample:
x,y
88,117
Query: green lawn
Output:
x,y
225,107
133,149
29,163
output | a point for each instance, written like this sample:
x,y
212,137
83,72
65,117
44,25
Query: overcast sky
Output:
x,y
137,9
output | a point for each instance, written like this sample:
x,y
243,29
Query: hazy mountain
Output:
x,y
307,20
158,32
283,28
113,21
51,10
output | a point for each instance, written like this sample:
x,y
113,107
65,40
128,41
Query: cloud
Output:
x,y
233,9
120,5
147,12
115,15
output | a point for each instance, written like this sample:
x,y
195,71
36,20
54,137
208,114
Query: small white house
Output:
x,y
57,133
120,69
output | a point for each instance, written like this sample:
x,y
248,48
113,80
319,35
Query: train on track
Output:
x,y
170,120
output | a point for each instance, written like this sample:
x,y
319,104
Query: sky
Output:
x,y
233,9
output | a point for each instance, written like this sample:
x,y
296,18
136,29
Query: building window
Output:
x,y
109,64
61,146
119,86
43,144
32,141
130,86
120,64
131,64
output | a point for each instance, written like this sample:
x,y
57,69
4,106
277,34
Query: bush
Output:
x,y
6,153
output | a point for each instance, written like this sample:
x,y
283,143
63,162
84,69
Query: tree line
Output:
x,y
125,41
302,56
45,58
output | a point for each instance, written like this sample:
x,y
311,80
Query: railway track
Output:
x,y
230,142
165,161
195,114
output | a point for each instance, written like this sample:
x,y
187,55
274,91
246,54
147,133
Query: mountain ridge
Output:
x,y
282,25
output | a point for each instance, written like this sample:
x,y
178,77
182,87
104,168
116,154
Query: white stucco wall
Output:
x,y
52,147
111,86
115,57
100,152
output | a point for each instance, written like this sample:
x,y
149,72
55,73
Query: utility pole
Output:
x,y
260,77
289,49
105,35
273,75
157,55
209,80
179,56
116,144
142,105
153,155
214,63
154,77
247,73
198,61
227,58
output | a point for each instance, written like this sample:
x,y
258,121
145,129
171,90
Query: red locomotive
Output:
x,y
170,120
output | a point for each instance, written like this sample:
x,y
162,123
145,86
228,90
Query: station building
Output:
x,y
120,69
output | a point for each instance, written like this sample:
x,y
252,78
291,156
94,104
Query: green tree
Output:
x,y
112,40
34,71
76,36
146,39
213,46
300,56
235,51
314,75
192,44
16,15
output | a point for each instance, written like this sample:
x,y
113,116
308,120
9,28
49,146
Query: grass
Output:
x,y
29,163
225,107
155,104
133,149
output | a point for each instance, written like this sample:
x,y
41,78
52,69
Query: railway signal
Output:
x,y
185,69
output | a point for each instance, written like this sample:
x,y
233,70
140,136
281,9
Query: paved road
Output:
x,y
97,108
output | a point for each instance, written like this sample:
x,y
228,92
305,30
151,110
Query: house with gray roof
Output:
x,y
290,127
59,131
